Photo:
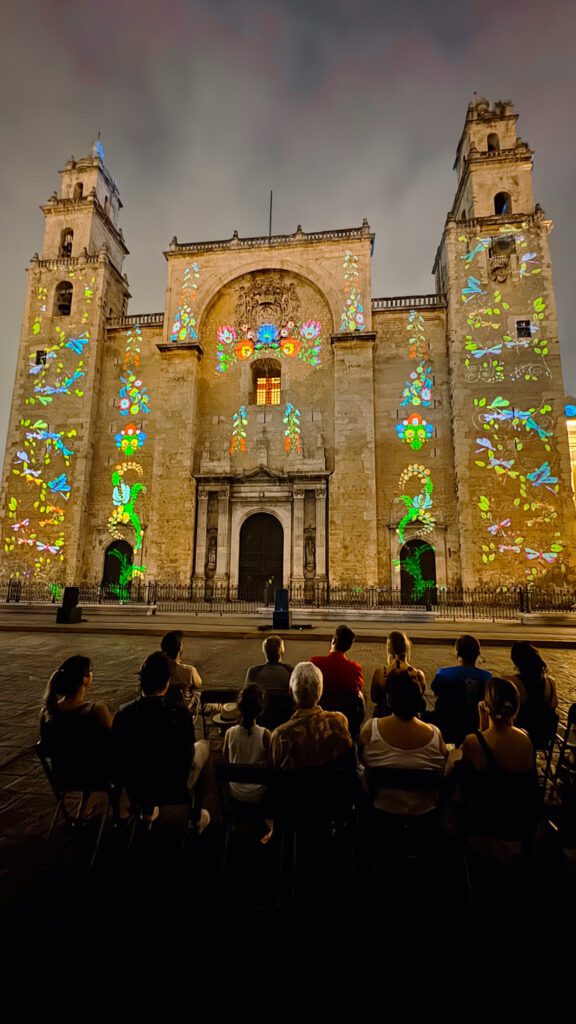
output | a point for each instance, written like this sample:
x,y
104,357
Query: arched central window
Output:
x,y
78,191
267,381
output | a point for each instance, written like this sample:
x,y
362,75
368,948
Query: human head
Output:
x,y
250,704
66,681
527,659
343,639
155,674
404,695
306,684
171,643
467,649
398,645
273,649
502,700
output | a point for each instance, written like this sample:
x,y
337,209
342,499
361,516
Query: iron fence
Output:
x,y
447,602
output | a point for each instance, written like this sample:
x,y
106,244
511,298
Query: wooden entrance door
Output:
x,y
261,557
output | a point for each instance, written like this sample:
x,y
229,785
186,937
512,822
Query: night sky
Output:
x,y
346,109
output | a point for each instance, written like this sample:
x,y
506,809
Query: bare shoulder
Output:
x,y
470,747
365,732
103,716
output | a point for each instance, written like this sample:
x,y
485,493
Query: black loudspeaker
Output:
x,y
69,611
281,614
70,598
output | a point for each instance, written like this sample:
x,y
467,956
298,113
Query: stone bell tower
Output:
x,y
73,286
512,466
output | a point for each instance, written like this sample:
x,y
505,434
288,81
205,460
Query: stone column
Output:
x,y
320,534
298,538
353,535
223,536
200,562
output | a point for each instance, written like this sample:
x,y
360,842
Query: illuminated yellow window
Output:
x,y
268,391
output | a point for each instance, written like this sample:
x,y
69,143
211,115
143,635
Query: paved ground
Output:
x,y
32,647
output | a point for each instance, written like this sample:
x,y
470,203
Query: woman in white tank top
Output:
x,y
403,741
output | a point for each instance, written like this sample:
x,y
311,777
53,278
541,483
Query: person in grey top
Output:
x,y
274,678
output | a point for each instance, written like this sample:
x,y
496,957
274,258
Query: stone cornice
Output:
x,y
180,346
490,225
367,337
264,241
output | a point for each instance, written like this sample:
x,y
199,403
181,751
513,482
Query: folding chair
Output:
x,y
319,807
236,812
67,784
408,839
566,743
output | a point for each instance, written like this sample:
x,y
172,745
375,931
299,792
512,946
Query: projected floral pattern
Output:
x,y
290,341
418,388
292,431
124,521
184,327
418,506
415,431
43,466
239,424
412,565
515,446
353,314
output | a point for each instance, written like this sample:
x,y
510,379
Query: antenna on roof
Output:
x,y
270,218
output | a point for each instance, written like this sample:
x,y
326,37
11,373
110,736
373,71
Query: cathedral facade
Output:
x,y
275,422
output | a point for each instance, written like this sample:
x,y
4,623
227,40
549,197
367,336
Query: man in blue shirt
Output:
x,y
458,690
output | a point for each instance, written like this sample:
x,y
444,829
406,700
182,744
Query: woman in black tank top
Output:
x,y
499,781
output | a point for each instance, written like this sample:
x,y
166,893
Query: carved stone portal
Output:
x,y
268,298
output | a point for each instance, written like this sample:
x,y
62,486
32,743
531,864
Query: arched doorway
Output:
x,y
261,557
417,573
117,573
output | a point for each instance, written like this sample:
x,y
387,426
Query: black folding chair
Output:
x,y
65,785
398,836
318,809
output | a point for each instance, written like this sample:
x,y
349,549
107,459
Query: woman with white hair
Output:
x,y
312,736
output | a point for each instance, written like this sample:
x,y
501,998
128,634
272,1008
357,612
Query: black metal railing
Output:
x,y
447,602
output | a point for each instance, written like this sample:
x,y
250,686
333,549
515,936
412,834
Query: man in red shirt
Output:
x,y
343,679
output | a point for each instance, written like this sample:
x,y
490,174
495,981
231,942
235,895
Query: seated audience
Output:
x,y
274,677
156,758
398,648
401,740
248,743
185,681
458,691
537,690
313,736
75,730
499,779
343,681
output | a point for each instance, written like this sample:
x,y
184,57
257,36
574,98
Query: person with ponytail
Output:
x,y
398,650
537,691
249,743
498,769
75,730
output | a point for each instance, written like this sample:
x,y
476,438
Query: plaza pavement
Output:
x,y
32,646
